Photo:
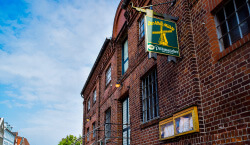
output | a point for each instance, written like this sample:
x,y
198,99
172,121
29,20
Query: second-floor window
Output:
x,y
232,22
141,28
150,103
94,96
88,105
108,75
125,57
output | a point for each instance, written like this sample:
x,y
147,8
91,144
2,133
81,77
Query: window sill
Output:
x,y
233,47
150,123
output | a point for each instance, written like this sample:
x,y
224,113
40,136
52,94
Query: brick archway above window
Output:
x,y
118,21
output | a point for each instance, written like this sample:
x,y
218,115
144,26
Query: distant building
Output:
x,y
1,130
9,137
20,140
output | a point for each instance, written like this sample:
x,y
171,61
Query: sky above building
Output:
x,y
47,49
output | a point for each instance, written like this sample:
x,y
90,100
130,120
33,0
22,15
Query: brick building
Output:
x,y
212,75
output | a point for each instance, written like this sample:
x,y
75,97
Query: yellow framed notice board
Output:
x,y
183,122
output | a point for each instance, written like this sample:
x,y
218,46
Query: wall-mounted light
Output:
x,y
117,85
88,119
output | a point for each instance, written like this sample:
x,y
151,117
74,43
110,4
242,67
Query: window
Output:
x,y
94,96
141,28
87,134
150,104
107,123
88,104
232,22
125,57
93,127
126,122
108,75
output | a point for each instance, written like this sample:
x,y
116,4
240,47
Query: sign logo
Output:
x,y
151,47
161,36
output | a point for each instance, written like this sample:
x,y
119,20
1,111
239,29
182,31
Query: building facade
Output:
x,y
9,136
133,97
20,140
1,130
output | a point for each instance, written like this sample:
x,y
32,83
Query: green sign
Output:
x,y
161,36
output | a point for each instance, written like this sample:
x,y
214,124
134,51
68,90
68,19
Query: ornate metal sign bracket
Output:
x,y
147,11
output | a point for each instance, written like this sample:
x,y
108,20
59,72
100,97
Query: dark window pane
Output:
x,y
245,26
156,104
220,16
225,41
239,3
223,28
235,34
229,8
148,109
243,13
232,22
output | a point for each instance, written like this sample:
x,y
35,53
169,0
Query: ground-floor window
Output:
x,y
126,122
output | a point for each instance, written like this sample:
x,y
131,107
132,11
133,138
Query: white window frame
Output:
x,y
88,105
125,59
108,75
108,123
141,28
94,96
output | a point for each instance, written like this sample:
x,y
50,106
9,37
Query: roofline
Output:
x,y
95,64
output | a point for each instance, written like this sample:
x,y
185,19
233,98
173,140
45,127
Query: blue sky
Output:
x,y
47,49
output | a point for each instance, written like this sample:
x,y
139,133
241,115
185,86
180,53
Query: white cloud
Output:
x,y
46,60
7,103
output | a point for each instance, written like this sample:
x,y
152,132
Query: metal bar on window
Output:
x,y
146,107
142,101
152,96
227,26
156,94
149,102
248,6
237,18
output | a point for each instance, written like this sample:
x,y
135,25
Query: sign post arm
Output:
x,y
169,17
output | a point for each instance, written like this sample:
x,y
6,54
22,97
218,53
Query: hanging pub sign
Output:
x,y
161,36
